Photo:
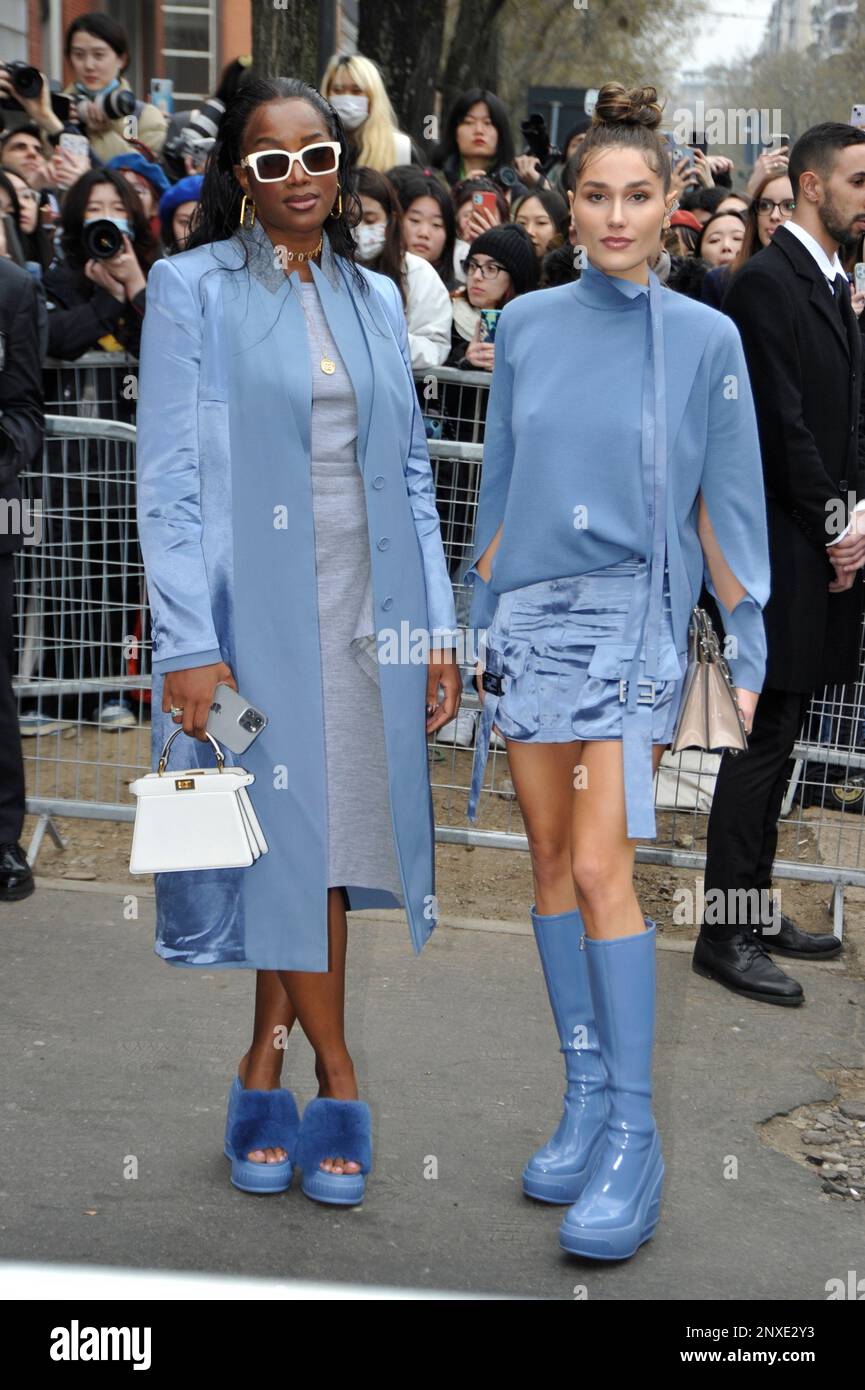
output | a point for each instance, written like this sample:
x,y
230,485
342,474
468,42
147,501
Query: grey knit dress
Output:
x,y
361,848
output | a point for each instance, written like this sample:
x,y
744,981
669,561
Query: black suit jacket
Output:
x,y
805,367
23,342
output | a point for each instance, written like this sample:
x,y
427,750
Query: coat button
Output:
x,y
384,543
387,603
378,480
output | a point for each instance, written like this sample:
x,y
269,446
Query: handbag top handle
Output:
x,y
163,758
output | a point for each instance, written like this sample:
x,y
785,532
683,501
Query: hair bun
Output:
x,y
620,105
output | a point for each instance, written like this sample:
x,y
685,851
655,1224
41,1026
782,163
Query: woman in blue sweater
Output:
x,y
621,468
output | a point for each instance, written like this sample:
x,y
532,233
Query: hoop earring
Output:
x,y
243,222
338,212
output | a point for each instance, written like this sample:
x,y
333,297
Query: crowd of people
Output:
x,y
461,228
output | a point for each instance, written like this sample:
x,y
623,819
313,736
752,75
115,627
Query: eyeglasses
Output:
x,y
489,270
271,166
786,205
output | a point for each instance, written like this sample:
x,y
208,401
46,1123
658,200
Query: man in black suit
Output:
x,y
791,303
23,342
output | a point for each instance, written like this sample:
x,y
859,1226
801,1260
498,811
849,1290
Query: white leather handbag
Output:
x,y
201,818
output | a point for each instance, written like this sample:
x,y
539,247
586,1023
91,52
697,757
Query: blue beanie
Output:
x,y
152,172
186,190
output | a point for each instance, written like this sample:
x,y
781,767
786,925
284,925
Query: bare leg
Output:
x,y
603,855
318,999
260,1067
543,778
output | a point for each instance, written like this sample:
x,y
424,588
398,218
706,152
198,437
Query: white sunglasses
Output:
x,y
271,166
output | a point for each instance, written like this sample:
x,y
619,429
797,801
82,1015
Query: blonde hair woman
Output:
x,y
354,87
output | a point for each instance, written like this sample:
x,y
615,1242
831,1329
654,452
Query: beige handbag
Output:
x,y
709,715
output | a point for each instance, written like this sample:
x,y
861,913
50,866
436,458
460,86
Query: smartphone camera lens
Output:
x,y
251,721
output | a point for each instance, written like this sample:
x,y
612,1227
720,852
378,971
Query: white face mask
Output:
x,y
370,239
352,110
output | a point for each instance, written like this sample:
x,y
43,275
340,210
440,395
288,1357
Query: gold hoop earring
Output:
x,y
243,222
338,212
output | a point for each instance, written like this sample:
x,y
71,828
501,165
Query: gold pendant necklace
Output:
x,y
326,363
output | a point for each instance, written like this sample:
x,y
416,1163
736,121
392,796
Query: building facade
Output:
x,y
188,41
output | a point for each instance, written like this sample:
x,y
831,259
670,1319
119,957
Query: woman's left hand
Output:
x,y
96,118
443,671
125,269
747,702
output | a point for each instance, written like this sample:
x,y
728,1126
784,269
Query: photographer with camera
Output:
x,y
477,143
96,293
102,101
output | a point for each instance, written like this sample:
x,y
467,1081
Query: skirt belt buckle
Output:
x,y
642,699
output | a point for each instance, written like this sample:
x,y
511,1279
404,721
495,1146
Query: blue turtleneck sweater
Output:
x,y
563,467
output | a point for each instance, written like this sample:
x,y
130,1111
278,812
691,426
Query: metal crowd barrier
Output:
x,y
94,386
81,667
82,643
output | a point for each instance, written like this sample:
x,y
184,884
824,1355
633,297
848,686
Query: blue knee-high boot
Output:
x,y
618,1208
559,1170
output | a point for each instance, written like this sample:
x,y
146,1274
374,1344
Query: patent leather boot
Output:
x,y
618,1208
559,1170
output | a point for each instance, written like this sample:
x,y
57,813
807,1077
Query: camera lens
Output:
x,y
118,103
26,80
102,239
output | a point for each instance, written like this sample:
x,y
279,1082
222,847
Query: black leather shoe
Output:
x,y
16,879
741,963
788,940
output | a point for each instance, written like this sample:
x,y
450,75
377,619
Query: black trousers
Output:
x,y
11,760
743,822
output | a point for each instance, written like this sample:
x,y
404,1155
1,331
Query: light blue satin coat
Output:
x,y
225,521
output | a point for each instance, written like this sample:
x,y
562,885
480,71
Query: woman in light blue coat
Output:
x,y
621,468
292,549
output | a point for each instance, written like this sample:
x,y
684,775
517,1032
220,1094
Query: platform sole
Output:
x,y
617,1243
335,1189
249,1176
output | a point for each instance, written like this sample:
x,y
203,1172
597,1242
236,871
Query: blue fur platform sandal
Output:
x,y
260,1120
334,1129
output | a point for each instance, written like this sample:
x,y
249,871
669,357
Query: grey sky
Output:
x,y
729,26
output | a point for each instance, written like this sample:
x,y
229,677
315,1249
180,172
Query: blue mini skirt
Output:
x,y
556,664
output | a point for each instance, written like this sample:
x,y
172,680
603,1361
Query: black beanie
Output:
x,y
512,247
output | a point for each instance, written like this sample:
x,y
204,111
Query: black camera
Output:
x,y
102,239
119,102
537,139
26,81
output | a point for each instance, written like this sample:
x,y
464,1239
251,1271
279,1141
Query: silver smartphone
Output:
x,y
76,144
857,116
233,720
859,277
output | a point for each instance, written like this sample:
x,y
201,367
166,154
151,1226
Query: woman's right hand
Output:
x,y
192,691
482,356
480,220
770,164
683,176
